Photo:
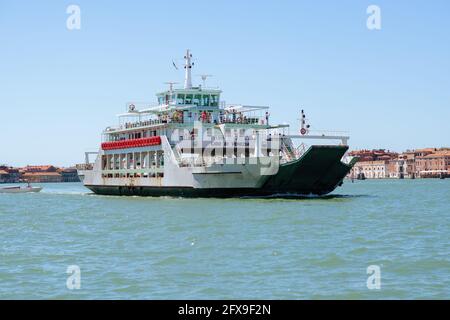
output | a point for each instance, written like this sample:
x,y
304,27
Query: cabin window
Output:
x,y
130,161
111,162
197,99
205,100
180,99
188,99
144,157
115,162
137,157
123,161
214,100
104,162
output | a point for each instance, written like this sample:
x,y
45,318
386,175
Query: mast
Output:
x,y
187,67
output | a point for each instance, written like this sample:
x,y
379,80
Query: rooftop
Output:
x,y
41,174
438,154
41,167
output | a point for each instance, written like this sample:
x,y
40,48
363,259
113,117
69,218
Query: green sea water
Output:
x,y
172,248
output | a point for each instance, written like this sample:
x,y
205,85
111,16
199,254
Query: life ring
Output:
x,y
303,131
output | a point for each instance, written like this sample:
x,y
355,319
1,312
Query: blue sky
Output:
x,y
59,88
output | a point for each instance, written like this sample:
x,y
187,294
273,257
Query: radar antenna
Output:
x,y
204,77
170,83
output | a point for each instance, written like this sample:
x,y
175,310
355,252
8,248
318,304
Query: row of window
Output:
x,y
374,169
132,135
191,99
133,160
134,175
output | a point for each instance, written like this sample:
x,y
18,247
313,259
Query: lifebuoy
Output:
x,y
303,131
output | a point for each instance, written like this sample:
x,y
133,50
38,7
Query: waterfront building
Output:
x,y
374,164
40,174
371,169
45,168
41,177
69,175
434,165
418,163
9,175
4,175
411,157
373,155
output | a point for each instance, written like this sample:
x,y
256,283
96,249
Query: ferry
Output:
x,y
193,144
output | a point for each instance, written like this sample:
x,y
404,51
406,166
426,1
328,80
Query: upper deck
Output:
x,y
182,107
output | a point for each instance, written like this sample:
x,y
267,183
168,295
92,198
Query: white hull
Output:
x,y
234,175
20,190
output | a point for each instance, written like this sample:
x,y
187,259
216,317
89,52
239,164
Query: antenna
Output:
x,y
304,127
170,83
204,77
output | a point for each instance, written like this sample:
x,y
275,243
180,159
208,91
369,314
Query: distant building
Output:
x,y
41,174
434,165
9,175
373,164
38,174
4,176
69,175
371,169
419,163
41,177
373,155
411,157
398,168
46,168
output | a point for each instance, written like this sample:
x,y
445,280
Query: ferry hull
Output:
x,y
318,172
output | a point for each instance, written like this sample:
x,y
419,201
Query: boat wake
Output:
x,y
306,197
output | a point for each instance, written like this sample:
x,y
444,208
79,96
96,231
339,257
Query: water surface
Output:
x,y
171,248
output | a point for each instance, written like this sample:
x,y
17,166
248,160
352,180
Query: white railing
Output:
x,y
327,133
300,150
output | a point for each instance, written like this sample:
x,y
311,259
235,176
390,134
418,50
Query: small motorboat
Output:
x,y
20,189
